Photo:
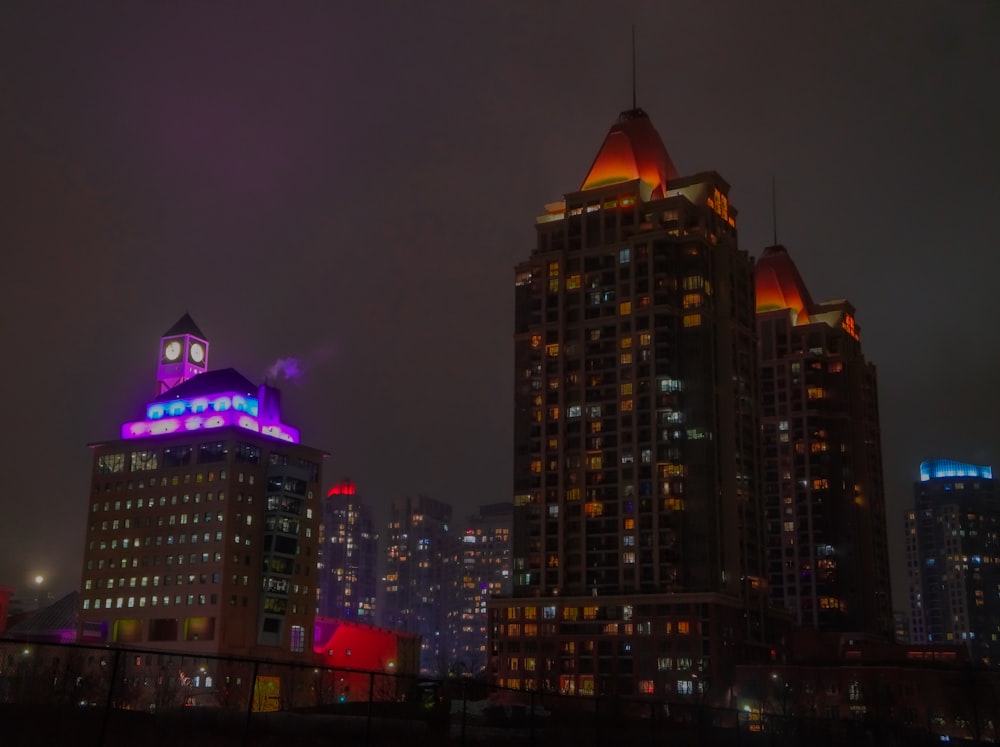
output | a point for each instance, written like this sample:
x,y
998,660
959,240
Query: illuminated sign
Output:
x,y
937,468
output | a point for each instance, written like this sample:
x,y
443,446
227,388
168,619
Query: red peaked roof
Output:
x,y
779,285
632,150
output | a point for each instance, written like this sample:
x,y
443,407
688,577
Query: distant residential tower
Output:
x,y
347,569
953,558
828,557
419,585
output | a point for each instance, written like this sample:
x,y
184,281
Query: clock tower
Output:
x,y
183,354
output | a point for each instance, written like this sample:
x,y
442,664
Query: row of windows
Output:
x,y
156,541
171,520
144,581
128,503
162,481
154,601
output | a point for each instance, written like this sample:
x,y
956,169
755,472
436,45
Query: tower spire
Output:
x,y
633,67
774,210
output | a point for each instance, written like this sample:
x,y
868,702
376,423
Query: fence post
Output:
x,y
253,686
465,684
597,722
531,721
371,707
107,704
652,723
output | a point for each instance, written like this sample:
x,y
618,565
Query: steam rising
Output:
x,y
288,369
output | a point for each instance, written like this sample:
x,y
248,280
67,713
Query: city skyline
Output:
x,y
157,162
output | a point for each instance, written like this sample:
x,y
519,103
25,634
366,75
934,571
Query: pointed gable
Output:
x,y
185,326
632,150
779,285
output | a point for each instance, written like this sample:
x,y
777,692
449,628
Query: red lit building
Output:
x,y
357,651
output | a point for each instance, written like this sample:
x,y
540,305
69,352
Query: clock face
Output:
x,y
196,352
172,350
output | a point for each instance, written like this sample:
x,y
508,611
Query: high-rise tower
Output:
x,y
828,556
953,558
202,521
348,560
419,584
637,536
484,573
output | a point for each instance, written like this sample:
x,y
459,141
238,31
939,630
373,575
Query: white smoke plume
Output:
x,y
293,369
287,369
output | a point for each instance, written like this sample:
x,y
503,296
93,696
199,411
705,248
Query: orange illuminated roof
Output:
x,y
779,285
632,150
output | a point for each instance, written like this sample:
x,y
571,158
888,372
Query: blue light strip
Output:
x,y
198,405
938,468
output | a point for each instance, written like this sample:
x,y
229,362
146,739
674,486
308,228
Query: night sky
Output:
x,y
351,184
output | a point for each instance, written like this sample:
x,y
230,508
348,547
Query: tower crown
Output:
x,y
779,285
183,354
631,150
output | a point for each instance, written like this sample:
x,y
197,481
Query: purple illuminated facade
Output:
x,y
183,354
208,412
203,519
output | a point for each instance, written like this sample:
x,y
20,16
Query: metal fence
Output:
x,y
77,695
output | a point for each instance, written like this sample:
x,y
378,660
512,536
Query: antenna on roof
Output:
x,y
633,66
774,210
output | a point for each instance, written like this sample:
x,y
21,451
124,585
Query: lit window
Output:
x,y
298,639
692,320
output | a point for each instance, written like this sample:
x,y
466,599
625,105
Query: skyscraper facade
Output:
x,y
637,538
420,572
828,557
953,558
484,573
202,518
348,556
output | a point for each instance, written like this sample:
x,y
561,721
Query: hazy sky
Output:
x,y
351,184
